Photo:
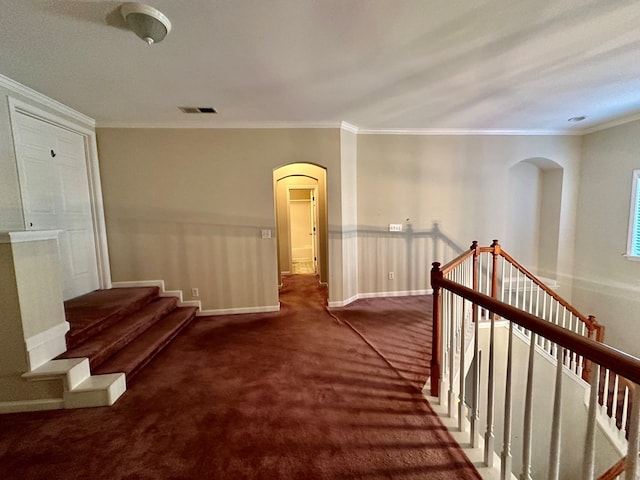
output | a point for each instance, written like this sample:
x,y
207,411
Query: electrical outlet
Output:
x,y
194,292
391,276
266,233
395,227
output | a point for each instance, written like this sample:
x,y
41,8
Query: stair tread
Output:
x,y
108,341
140,351
95,311
98,382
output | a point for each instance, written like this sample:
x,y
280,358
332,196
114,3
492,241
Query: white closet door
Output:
x,y
55,191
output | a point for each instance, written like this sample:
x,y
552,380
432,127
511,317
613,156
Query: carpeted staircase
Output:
x,y
122,329
113,334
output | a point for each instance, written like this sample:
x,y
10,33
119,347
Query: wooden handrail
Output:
x,y
615,470
446,268
619,362
589,321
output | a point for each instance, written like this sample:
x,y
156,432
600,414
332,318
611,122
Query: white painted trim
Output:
x,y
46,345
455,131
38,97
608,287
399,293
163,293
237,311
343,303
216,124
32,405
87,131
348,127
140,283
611,124
28,236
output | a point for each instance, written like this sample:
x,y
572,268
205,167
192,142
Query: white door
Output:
x,y
55,192
301,233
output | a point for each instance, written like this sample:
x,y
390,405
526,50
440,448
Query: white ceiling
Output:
x,y
377,64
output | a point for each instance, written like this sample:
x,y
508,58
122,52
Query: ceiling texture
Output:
x,y
458,66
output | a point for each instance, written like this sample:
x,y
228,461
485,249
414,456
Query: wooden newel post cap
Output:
x,y
474,245
495,242
435,267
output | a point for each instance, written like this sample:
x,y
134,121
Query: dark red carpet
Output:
x,y
290,395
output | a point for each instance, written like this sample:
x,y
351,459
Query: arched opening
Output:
x,y
301,219
533,214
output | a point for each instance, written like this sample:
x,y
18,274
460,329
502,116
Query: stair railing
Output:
x,y
485,283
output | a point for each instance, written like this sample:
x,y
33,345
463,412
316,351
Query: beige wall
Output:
x,y
606,283
349,179
187,206
459,183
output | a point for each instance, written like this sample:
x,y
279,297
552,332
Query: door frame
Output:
x,y
86,130
314,219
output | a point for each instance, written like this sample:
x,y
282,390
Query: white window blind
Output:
x,y
633,243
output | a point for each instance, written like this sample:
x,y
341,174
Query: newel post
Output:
x,y
594,334
495,246
474,279
436,274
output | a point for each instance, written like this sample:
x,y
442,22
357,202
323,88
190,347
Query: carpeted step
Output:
x,y
132,358
110,340
93,312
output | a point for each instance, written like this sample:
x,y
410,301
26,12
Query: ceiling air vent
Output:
x,y
198,109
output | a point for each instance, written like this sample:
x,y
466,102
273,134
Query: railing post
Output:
x,y
494,273
435,342
594,334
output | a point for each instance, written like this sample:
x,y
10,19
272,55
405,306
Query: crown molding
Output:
x,y
611,124
455,131
348,127
213,124
45,101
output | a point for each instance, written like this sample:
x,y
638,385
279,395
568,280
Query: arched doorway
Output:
x,y
300,197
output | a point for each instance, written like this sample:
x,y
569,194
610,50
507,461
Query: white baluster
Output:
x,y
489,438
614,404
554,449
527,434
475,415
461,387
625,409
505,456
588,462
605,392
452,353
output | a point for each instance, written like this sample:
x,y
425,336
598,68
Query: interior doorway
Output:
x,y
302,229
301,220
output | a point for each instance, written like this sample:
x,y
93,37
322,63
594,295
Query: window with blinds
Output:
x,y
633,243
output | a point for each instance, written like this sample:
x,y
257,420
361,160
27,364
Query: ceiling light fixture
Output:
x,y
148,23
577,119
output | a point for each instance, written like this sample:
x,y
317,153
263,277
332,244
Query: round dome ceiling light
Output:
x,y
577,119
149,24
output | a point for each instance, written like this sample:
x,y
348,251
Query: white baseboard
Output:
x,y
46,345
163,291
140,283
32,405
237,311
399,293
